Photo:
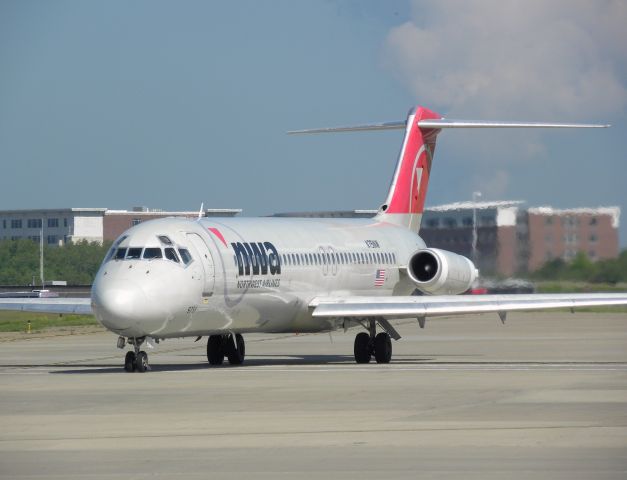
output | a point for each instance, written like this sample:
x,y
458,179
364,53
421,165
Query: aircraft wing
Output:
x,y
429,306
76,306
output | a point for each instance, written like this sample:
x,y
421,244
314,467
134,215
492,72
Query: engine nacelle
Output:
x,y
438,272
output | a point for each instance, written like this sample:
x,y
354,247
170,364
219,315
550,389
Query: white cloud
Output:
x,y
513,58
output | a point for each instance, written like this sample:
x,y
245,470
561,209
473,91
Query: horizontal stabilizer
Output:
x,y
446,123
449,123
356,128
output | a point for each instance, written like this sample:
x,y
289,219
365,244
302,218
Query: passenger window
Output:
x,y
150,253
185,256
170,254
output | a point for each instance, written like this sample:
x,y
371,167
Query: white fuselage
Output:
x,y
245,274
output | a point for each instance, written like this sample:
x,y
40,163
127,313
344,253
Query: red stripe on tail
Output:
x,y
411,179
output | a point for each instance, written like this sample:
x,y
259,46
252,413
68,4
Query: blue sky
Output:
x,y
170,104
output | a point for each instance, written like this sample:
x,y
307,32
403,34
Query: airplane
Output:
x,y
226,277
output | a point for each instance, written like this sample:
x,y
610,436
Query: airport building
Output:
x,y
71,225
512,239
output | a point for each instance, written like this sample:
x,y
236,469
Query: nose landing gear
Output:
x,y
137,360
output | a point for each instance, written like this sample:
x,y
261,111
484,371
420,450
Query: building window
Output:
x,y
65,222
16,223
592,254
487,221
450,222
548,221
4,224
467,221
433,223
594,221
35,238
52,239
136,221
33,223
53,223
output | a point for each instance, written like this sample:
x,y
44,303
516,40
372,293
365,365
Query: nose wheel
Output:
x,y
136,360
371,344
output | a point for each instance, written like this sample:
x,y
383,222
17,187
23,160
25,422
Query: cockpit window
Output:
x,y
119,255
170,254
150,253
134,253
187,258
165,239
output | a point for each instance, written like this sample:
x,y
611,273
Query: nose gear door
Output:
x,y
203,255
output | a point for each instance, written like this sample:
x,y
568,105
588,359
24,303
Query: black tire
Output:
x,y
383,348
129,362
141,362
362,348
235,355
215,350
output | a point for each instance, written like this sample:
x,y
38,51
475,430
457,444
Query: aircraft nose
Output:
x,y
118,305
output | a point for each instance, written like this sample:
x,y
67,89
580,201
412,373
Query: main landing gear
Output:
x,y
229,346
371,343
136,360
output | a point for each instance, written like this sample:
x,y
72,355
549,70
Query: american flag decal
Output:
x,y
379,278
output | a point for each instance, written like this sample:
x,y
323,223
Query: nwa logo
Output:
x,y
260,258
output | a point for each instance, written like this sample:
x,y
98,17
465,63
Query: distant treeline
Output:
x,y
75,263
582,269
78,263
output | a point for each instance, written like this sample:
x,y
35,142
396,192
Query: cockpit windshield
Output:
x,y
168,252
134,253
150,253
187,258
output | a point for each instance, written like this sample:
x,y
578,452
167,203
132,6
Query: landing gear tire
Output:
x,y
215,350
363,348
141,362
382,348
236,350
129,362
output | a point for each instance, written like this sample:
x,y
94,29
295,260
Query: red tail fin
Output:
x,y
406,198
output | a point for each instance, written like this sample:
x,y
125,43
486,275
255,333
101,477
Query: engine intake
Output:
x,y
438,272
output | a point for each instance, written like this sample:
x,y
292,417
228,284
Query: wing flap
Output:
x,y
423,306
69,306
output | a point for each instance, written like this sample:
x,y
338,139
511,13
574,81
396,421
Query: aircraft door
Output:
x,y
203,255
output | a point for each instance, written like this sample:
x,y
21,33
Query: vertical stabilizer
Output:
x,y
406,199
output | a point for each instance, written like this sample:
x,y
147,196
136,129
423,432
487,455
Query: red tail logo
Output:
x,y
411,178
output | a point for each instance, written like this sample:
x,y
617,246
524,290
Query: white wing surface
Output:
x,y
428,306
70,306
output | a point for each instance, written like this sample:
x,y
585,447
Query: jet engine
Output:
x,y
438,272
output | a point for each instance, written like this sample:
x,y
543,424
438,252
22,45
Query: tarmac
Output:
x,y
544,396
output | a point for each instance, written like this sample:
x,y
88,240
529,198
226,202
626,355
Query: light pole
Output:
x,y
475,196
41,253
